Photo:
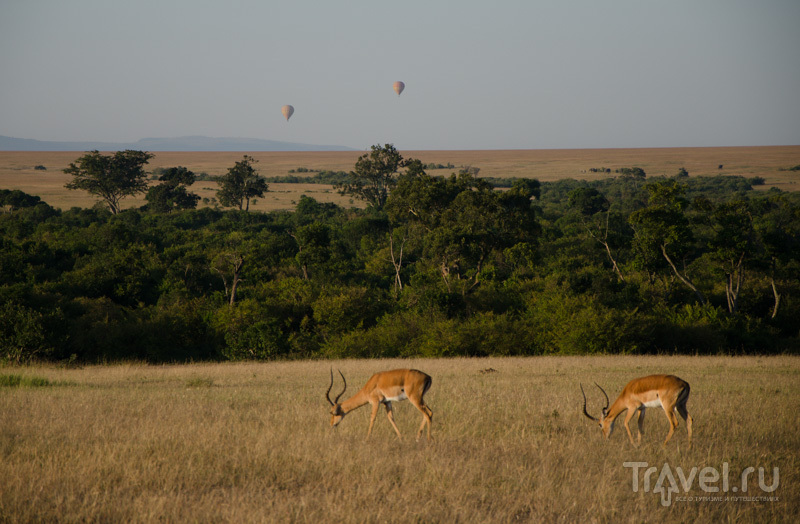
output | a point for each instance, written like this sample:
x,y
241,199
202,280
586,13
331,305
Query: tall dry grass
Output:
x,y
250,442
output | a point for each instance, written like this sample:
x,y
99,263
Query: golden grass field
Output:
x,y
17,168
250,442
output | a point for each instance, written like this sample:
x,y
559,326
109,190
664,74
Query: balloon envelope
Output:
x,y
287,111
398,87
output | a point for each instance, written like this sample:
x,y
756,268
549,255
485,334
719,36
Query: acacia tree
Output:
x,y
777,224
241,184
374,176
732,245
663,228
595,211
313,243
111,177
16,199
230,260
233,261
171,194
462,222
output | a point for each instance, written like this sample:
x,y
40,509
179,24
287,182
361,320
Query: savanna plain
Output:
x,y
772,163
251,442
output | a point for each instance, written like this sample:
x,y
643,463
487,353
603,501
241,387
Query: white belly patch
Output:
x,y
652,404
398,398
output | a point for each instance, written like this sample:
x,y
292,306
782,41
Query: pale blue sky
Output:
x,y
479,75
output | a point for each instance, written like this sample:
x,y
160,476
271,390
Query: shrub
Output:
x,y
393,336
337,310
412,334
22,334
566,324
482,335
250,333
691,328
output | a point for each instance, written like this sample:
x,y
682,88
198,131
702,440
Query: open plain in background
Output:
x,y
250,442
771,163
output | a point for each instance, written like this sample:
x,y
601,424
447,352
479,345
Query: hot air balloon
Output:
x,y
287,111
398,87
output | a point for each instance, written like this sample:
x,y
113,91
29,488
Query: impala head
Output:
x,y
336,410
606,424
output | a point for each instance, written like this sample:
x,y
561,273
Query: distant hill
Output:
x,y
182,143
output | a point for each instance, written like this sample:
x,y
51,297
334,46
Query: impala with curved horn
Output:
x,y
667,391
384,388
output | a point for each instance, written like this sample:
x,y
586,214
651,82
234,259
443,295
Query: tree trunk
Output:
x,y
303,265
445,270
733,285
614,262
397,262
777,298
682,278
604,242
237,262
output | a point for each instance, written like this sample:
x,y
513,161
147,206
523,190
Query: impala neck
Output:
x,y
616,408
354,402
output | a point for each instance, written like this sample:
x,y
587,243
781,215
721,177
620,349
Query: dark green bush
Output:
x,y
22,334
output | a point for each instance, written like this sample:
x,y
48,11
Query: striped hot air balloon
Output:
x,y
287,111
398,87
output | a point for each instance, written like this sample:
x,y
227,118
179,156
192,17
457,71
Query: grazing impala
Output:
x,y
667,391
384,388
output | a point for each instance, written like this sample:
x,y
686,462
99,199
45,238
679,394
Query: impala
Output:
x,y
384,388
667,391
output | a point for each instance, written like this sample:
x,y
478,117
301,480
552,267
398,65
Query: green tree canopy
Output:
x,y
662,230
732,245
374,175
777,227
171,194
16,199
588,201
461,220
313,243
111,177
241,184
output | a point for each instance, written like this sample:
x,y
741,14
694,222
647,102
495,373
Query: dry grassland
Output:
x,y
250,442
17,168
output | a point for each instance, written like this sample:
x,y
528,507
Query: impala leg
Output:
x,y
390,416
688,418
427,416
372,418
673,422
640,425
628,417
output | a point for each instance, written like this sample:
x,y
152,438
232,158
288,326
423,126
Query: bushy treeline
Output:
x,y
448,266
320,177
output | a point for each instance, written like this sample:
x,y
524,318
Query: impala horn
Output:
x,y
605,409
328,393
584,406
345,386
